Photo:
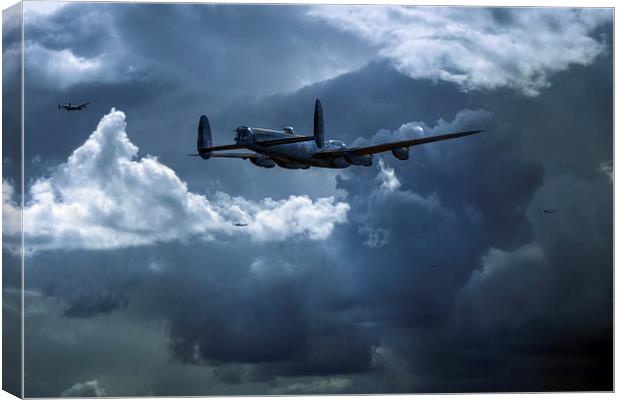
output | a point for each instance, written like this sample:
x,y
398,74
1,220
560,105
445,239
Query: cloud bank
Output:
x,y
484,48
62,68
84,45
105,197
51,62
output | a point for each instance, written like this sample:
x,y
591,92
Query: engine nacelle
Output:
x,y
402,153
263,162
365,161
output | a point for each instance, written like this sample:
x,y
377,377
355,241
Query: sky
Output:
x,y
436,274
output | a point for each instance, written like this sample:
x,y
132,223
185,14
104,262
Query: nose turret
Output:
x,y
244,134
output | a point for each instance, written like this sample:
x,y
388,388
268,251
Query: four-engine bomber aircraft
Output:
x,y
289,150
69,107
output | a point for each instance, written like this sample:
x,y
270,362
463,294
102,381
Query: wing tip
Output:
x,y
473,132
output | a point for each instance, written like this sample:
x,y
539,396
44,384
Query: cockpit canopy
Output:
x,y
334,144
288,129
244,133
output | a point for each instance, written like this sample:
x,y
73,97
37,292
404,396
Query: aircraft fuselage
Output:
x,y
292,155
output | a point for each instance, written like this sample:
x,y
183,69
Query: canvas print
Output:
x,y
230,199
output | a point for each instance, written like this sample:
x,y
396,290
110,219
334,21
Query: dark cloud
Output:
x,y
446,277
93,303
261,310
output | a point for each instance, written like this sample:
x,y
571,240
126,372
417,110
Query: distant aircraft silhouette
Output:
x,y
239,224
549,211
70,107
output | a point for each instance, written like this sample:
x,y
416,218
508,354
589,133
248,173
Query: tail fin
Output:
x,y
204,137
319,127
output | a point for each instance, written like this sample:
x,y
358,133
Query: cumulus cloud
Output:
x,y
476,48
388,178
105,197
464,119
279,219
390,188
85,389
388,192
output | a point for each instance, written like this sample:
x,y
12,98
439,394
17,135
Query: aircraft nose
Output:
x,y
244,133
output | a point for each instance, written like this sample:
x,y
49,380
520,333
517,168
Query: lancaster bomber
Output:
x,y
289,150
70,107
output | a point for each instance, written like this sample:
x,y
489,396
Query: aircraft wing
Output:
x,y
272,142
83,105
236,155
231,155
218,148
379,148
275,142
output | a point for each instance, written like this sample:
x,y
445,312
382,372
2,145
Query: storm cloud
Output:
x,y
476,48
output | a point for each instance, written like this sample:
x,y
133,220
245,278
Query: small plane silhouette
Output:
x,y
239,224
70,107
549,211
